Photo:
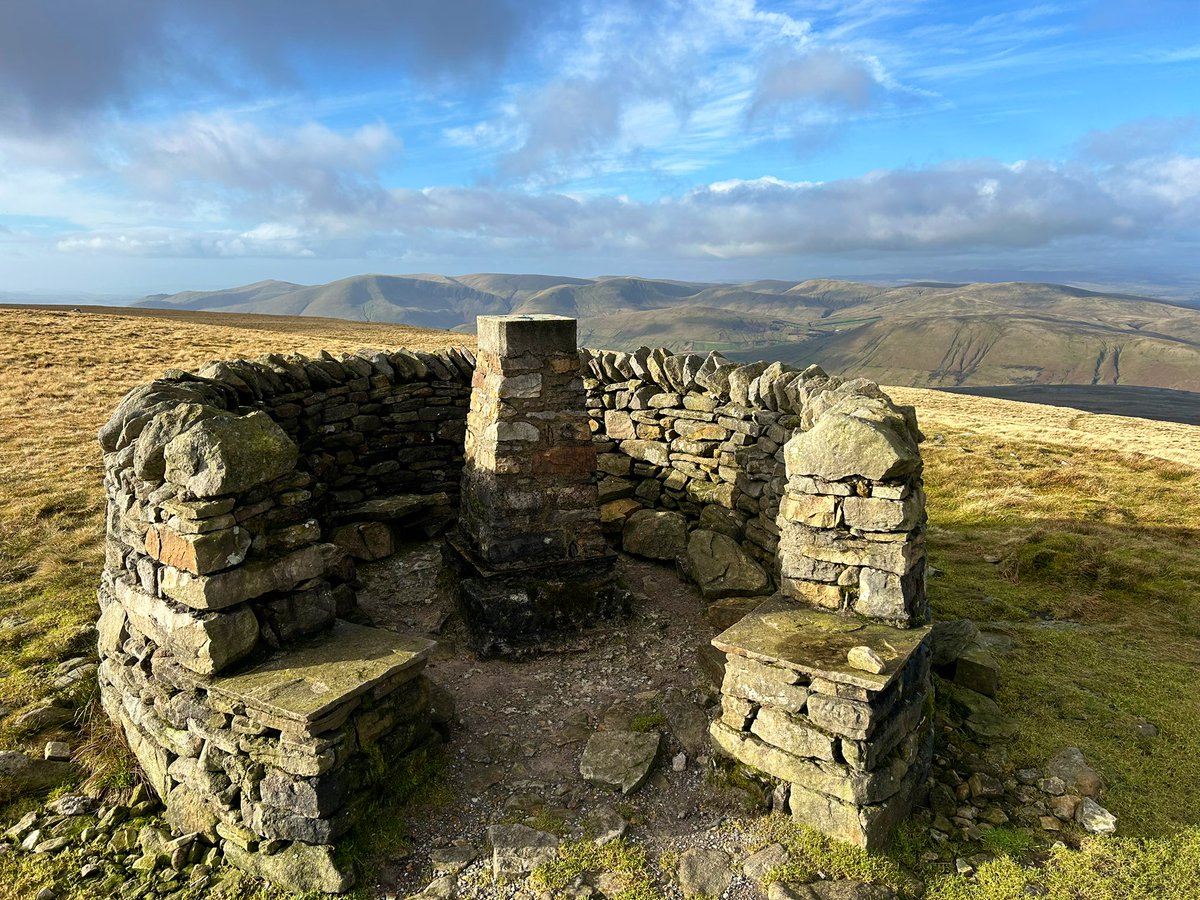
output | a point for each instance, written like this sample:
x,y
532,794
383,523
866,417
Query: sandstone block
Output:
x,y
647,451
813,510
199,554
619,426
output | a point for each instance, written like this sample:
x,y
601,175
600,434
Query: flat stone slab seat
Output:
x,y
314,687
395,508
854,746
814,642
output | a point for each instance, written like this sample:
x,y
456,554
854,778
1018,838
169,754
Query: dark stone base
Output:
x,y
519,611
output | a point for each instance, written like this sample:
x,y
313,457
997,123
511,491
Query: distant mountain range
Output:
x,y
925,334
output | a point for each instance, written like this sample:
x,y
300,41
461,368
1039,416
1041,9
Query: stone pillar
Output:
x,y
529,553
827,684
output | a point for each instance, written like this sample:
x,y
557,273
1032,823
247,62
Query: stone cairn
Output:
x,y
240,497
530,556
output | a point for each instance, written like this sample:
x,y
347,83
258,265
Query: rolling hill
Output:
x,y
929,334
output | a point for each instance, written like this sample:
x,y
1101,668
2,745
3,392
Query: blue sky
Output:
x,y
160,145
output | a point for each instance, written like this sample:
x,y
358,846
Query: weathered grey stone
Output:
x,y
949,639
840,446
833,779
704,873
739,380
212,592
43,718
831,890
203,642
190,812
364,540
875,514
300,867
1094,818
759,865
814,642
655,534
517,849
1080,778
229,454
866,659
978,670
619,759
721,568
19,774
148,461
794,734
764,684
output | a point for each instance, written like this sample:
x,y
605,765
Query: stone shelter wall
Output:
x,y
834,520
238,499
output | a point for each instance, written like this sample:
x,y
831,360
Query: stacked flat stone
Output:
x,y
529,554
853,747
704,436
529,488
223,491
852,521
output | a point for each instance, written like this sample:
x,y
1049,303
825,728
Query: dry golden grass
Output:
x,y
1038,515
61,375
1033,422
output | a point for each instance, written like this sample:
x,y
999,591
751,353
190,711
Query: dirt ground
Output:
x,y
520,727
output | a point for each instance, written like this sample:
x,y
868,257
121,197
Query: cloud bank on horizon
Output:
x,y
163,144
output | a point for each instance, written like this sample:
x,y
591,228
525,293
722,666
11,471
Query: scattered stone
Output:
x,y
605,824
978,670
1064,807
20,774
1094,818
43,718
301,867
619,759
704,873
517,849
866,659
57,751
1077,776
70,805
679,762
721,568
951,639
655,534
1054,786
758,865
452,860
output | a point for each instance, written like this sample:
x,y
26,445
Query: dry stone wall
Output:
x,y
238,499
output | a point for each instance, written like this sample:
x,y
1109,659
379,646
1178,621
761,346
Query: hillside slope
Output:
x,y
929,334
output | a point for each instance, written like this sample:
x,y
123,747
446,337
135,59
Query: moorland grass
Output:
x,y
1076,537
